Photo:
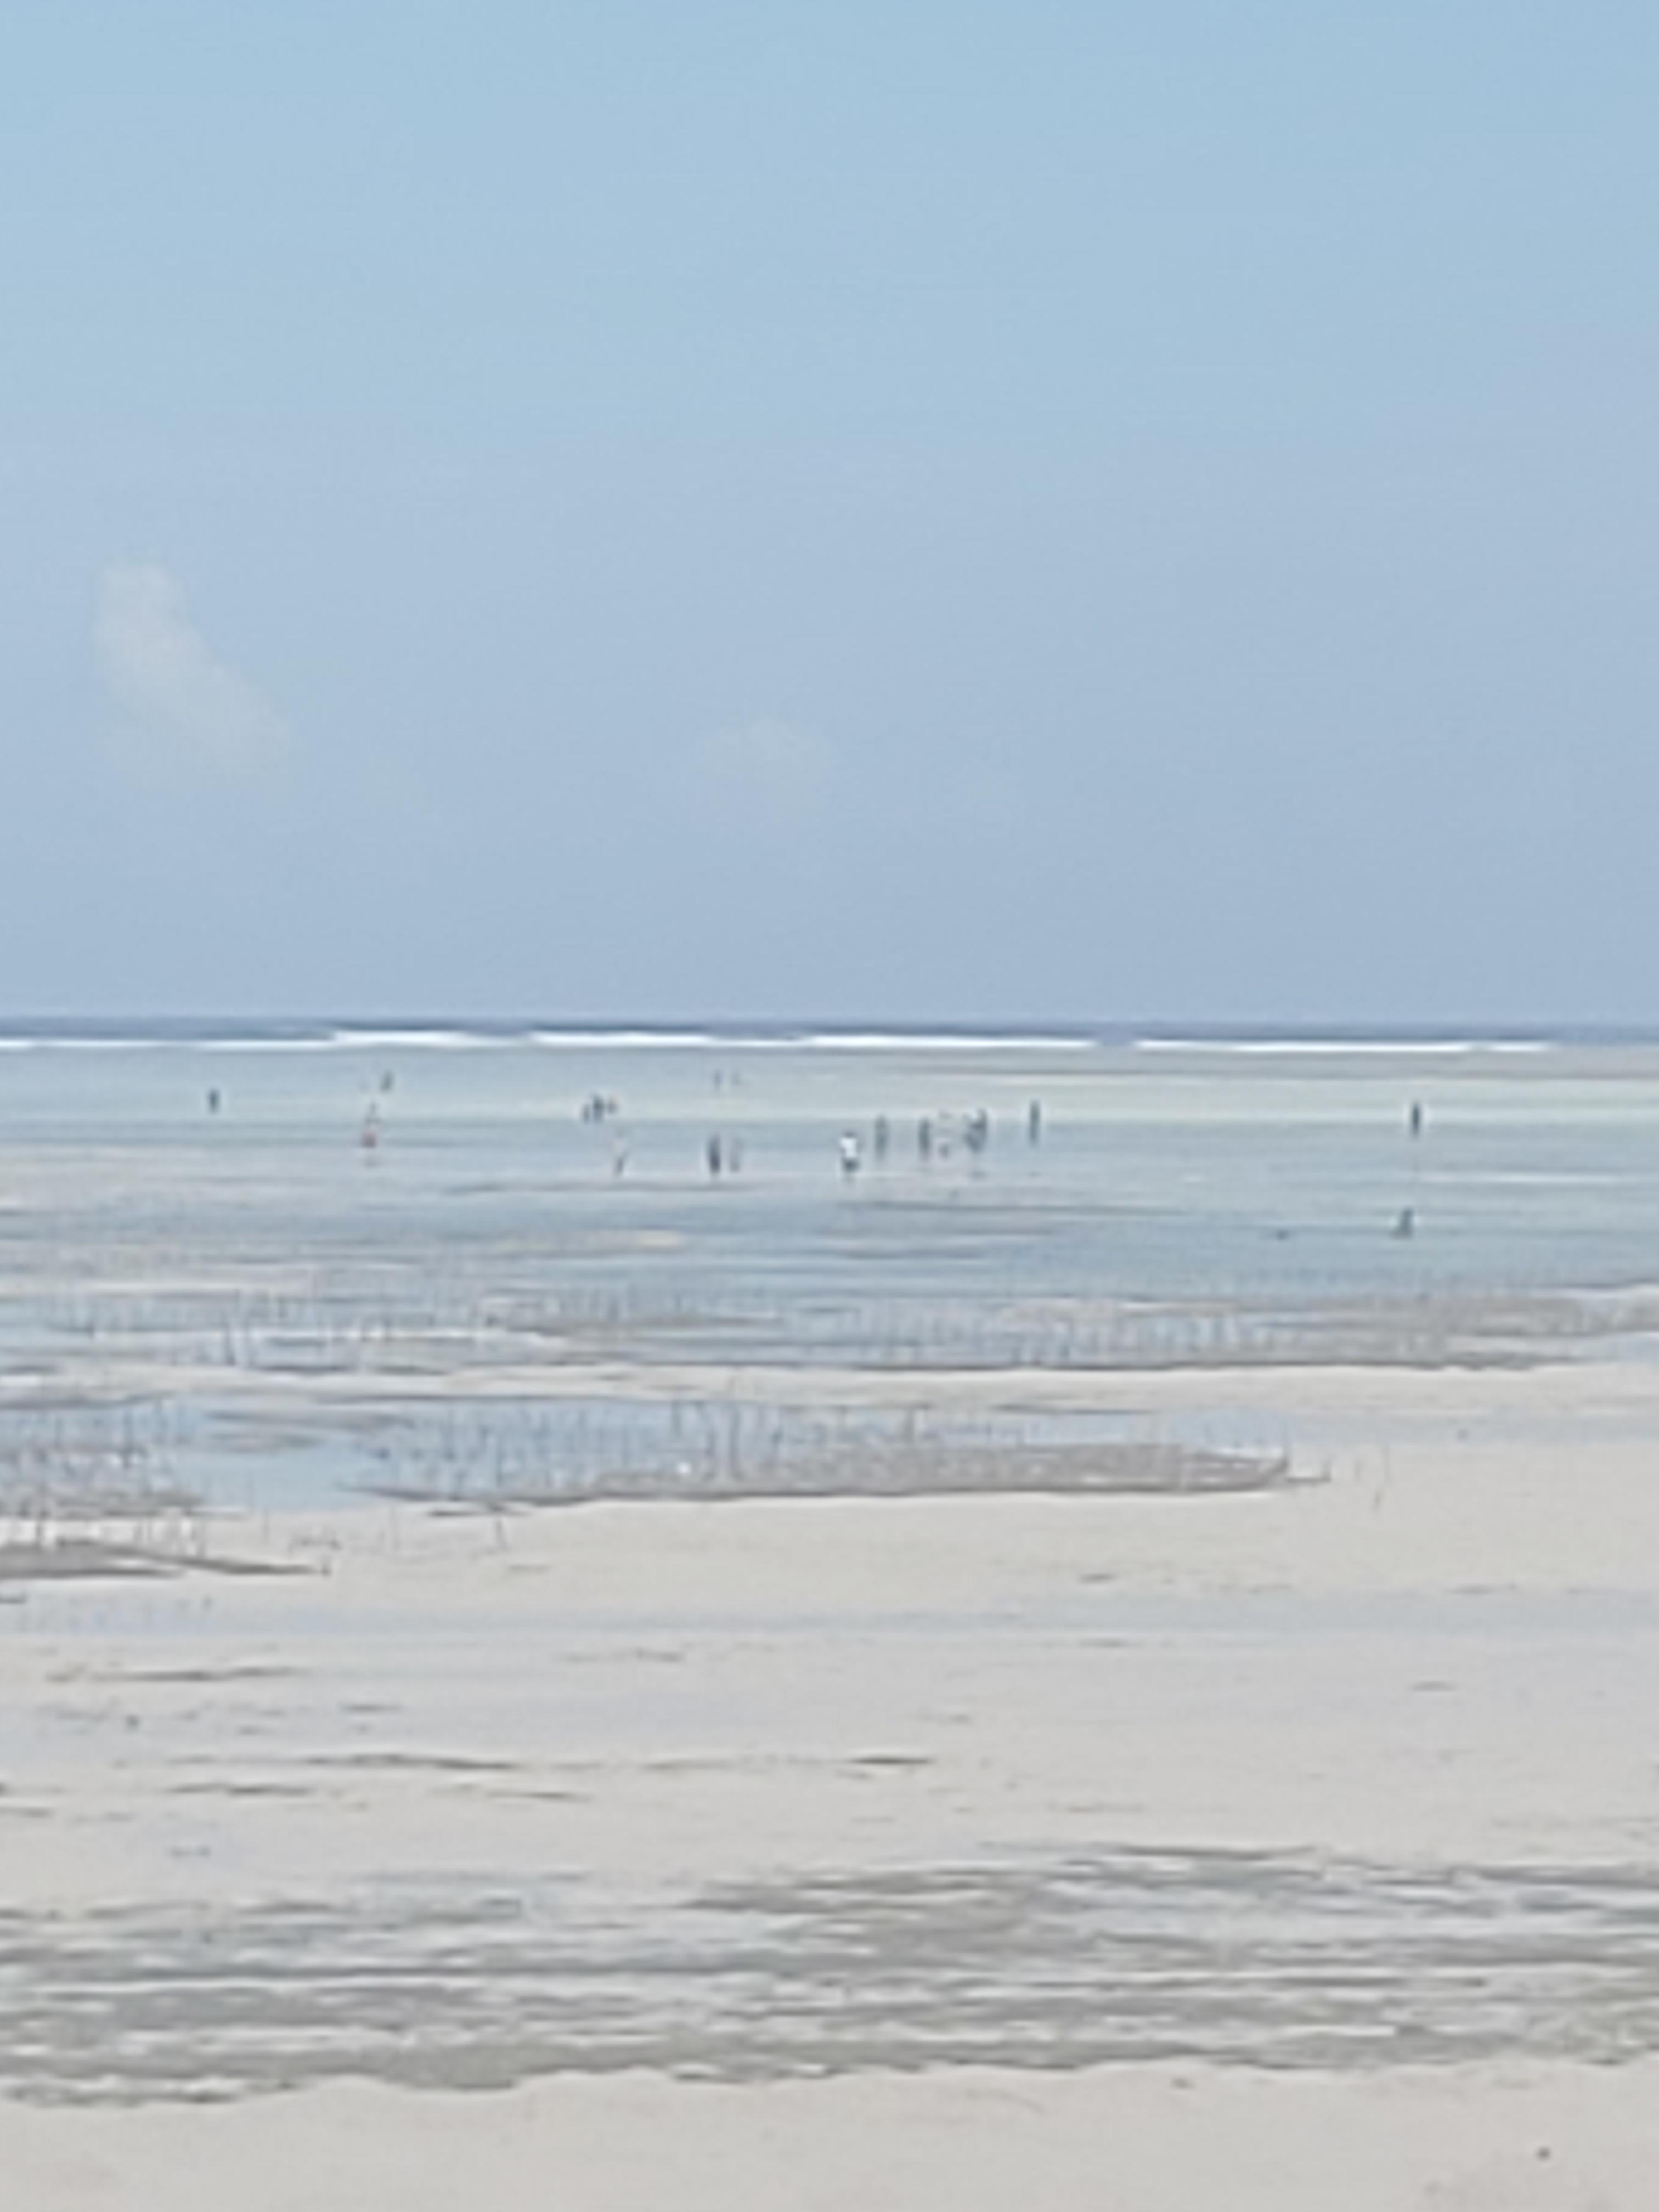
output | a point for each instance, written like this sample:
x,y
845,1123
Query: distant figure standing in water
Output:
x,y
1414,1119
1405,1222
711,1152
851,1154
882,1134
924,1139
213,1102
1033,1122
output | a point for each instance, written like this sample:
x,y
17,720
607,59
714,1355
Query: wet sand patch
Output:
x,y
1269,1959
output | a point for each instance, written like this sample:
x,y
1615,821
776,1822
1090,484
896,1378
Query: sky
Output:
x,y
649,509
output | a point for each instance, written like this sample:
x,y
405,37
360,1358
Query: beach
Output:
x,y
491,1702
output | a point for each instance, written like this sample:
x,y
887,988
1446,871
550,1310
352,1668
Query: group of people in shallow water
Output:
x,y
937,1136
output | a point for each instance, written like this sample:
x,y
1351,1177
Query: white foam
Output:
x,y
1345,1047
626,1040
933,1041
83,1043
806,1040
419,1040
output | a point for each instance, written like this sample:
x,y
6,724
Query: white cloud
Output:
x,y
183,711
766,770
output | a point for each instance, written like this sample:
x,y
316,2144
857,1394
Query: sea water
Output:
x,y
278,1198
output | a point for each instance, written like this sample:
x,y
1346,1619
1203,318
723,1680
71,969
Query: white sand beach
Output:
x,y
1513,2139
870,1852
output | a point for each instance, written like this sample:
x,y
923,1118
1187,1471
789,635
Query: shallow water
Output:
x,y
1184,1206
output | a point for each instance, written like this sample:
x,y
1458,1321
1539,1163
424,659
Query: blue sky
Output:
x,y
906,511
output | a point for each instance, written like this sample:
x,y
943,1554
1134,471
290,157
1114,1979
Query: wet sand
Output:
x,y
871,1851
